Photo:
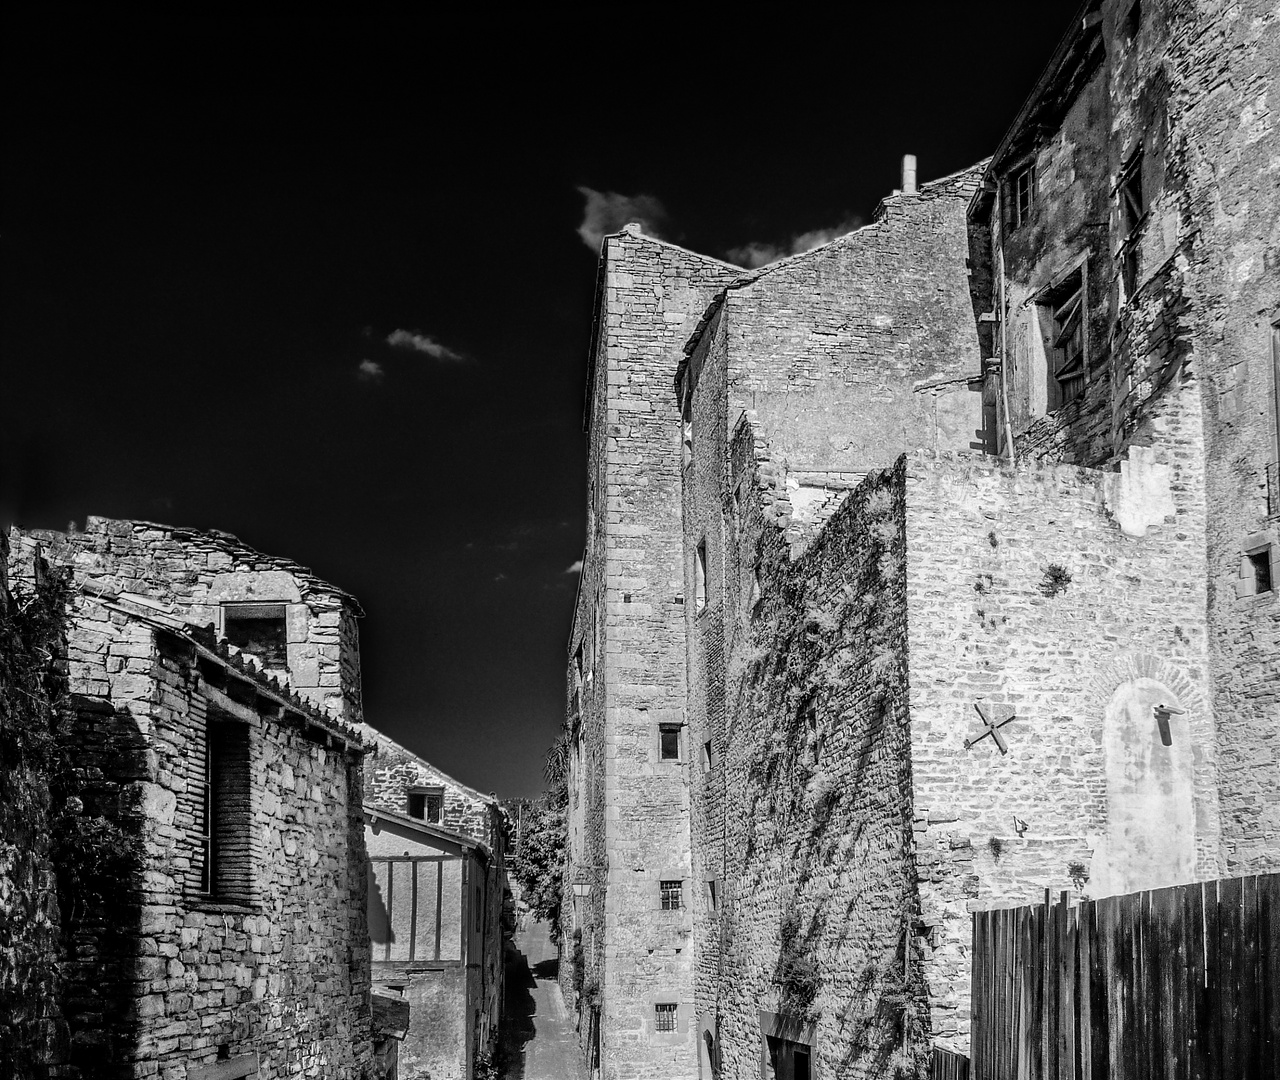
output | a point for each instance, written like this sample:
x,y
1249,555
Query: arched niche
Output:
x,y
1150,839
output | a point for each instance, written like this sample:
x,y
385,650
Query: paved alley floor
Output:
x,y
538,1034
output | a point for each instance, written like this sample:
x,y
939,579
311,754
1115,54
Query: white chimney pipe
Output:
x,y
908,174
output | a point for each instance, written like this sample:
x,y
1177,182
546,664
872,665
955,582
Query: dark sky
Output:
x,y
210,230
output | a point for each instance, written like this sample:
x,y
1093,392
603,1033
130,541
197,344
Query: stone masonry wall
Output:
x,y
651,297
818,887
284,975
849,354
1087,799
194,572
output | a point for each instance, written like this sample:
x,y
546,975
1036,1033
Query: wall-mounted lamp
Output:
x,y
1162,714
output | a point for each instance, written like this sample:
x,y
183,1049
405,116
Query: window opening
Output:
x,y
1023,195
1133,20
686,432
711,894
708,756
664,1016
788,1060
669,742
1133,209
258,629
227,870
1068,339
427,804
1261,563
672,894
700,594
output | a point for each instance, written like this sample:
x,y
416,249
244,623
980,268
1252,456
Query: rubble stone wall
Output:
x,y
1088,799
194,572
178,977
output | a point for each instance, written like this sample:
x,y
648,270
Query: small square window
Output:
x,y
427,804
672,895
669,742
664,1016
259,630
1260,561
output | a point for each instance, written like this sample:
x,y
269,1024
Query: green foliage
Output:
x,y
797,971
1078,874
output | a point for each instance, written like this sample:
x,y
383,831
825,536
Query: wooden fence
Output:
x,y
1170,984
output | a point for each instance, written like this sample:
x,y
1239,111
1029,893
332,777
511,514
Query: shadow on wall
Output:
x,y
380,932
518,1008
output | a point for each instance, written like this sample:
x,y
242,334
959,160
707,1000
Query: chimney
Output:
x,y
908,174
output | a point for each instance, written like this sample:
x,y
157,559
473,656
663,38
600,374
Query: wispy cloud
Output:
x,y
607,211
574,567
416,341
756,253
369,371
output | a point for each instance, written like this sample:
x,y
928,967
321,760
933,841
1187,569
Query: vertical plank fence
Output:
x,y
1173,984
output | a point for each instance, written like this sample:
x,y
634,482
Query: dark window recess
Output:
x,y
708,756
700,572
226,871
669,742
1022,195
1133,209
711,895
258,629
1261,563
1133,21
427,804
672,895
686,433
1067,341
789,1060
664,1017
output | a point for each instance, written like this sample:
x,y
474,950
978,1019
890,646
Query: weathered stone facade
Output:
x,y
455,993
1039,651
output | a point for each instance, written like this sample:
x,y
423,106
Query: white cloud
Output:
x,y
756,254
415,341
607,211
575,567
368,371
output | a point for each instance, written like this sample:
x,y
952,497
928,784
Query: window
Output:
x,y
686,432
700,571
1133,20
226,869
258,629
1260,562
671,894
427,804
1022,195
708,756
1067,340
711,894
669,742
664,1016
1133,209
788,1060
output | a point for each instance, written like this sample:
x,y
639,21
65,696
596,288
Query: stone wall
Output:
x,y
192,573
807,800
174,977
1088,798
391,770
33,1029
629,626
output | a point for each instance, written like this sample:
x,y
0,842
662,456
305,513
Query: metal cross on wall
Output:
x,y
992,728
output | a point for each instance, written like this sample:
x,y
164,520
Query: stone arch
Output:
x,y
1149,840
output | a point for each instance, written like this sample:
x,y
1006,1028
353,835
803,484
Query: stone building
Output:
x,y
436,894
930,507
216,924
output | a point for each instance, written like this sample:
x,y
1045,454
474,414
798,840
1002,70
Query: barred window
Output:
x,y
226,869
672,895
664,1015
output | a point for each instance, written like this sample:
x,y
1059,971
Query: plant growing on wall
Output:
x,y
1056,579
